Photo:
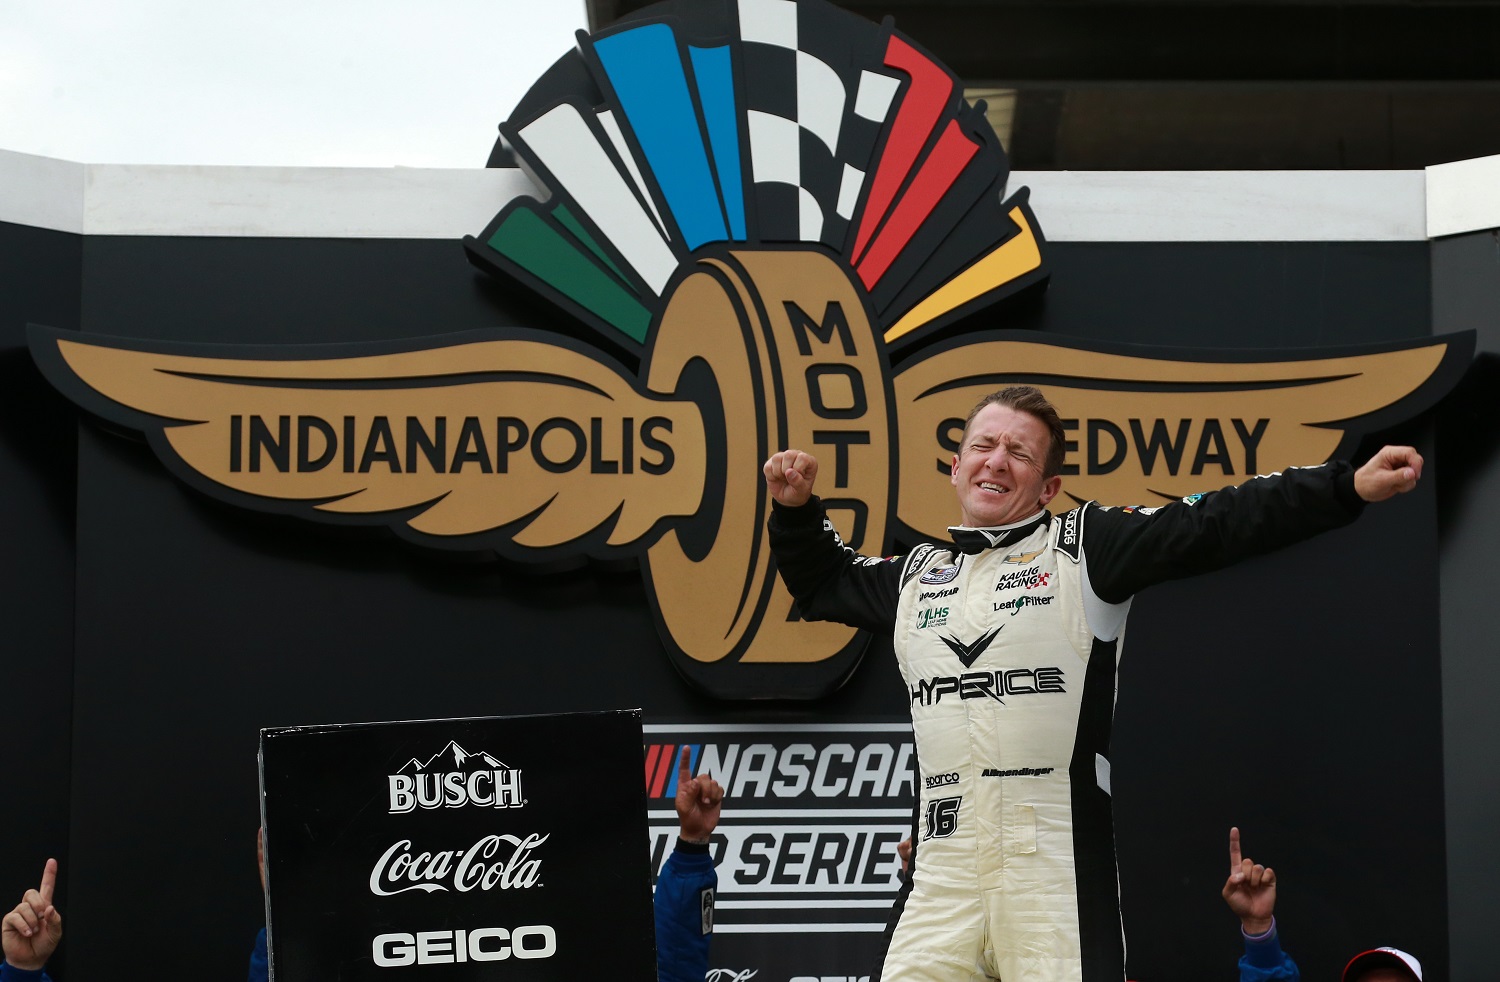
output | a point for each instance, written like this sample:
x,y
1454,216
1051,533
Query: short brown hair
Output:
x,y
1028,399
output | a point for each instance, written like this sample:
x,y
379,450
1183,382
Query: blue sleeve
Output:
x,y
9,973
1264,961
259,961
685,914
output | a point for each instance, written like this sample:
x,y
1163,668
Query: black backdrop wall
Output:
x,y
152,632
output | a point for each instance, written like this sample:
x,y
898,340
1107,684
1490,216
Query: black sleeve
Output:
x,y
1128,550
830,581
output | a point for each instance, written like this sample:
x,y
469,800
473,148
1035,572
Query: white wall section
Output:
x,y
1071,206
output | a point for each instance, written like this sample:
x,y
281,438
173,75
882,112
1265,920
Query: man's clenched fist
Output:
x,y
790,476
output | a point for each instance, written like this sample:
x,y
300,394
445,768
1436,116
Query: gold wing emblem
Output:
x,y
522,442
1144,430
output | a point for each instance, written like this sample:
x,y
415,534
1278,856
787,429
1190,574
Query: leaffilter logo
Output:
x,y
758,207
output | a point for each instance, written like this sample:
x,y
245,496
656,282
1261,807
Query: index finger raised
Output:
x,y
1234,849
49,880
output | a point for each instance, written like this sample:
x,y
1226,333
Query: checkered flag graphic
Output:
x,y
814,114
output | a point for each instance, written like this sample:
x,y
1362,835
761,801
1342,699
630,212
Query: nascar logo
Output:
x,y
817,812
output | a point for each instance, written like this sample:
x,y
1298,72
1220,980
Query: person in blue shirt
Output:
x,y
686,884
1250,892
684,888
30,933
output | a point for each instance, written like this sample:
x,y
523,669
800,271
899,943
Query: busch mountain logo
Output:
x,y
761,201
453,778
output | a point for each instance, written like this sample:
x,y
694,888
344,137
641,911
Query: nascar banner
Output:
x,y
806,848
465,844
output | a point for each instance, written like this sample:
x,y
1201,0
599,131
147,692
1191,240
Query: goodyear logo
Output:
x,y
756,209
818,813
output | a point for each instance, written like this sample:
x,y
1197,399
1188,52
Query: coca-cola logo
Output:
x,y
495,862
729,975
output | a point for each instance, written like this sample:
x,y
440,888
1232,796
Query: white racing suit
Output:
x,y
1009,641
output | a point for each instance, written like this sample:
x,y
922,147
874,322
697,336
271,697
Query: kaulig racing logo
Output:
x,y
758,209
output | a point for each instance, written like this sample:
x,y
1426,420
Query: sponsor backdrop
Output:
x,y
409,479
456,843
195,623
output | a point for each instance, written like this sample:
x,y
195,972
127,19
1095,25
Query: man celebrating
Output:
x,y
1008,640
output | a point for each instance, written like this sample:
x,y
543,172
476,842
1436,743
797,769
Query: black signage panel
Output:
x,y
457,849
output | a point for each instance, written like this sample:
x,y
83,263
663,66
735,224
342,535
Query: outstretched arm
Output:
x,y
1128,550
30,933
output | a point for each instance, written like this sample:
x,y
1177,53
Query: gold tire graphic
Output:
x,y
795,359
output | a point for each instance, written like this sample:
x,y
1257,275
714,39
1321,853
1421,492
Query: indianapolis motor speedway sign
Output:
x,y
765,204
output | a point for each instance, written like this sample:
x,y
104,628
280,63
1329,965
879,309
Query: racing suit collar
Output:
x,y
973,540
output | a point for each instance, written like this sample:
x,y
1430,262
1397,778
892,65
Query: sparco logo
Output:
x,y
1070,528
940,780
495,862
485,944
453,778
988,685
735,229
935,594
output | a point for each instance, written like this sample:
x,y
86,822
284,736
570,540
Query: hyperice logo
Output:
x,y
968,652
757,206
988,685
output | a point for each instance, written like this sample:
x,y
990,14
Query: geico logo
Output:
x,y
988,685
942,780
443,445
785,858
934,594
762,770
487,944
496,789
501,862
